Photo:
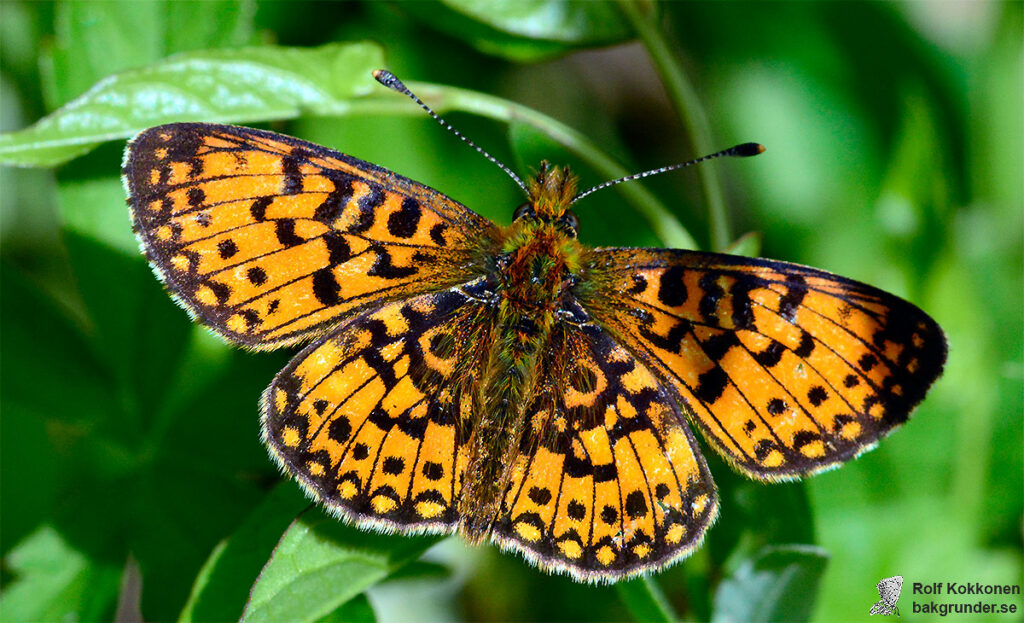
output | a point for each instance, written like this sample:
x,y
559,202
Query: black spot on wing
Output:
x,y
383,267
718,345
326,288
331,208
713,292
806,346
292,175
711,385
196,196
796,290
403,222
284,229
256,275
258,209
338,248
227,248
671,289
770,356
636,505
437,234
368,205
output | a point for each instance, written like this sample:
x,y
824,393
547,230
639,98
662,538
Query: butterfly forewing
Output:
x,y
270,240
788,370
369,419
613,482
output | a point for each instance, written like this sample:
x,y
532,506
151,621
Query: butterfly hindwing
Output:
x,y
610,481
368,419
787,369
271,240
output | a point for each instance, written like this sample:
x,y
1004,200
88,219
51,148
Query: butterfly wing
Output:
x,y
889,589
270,240
609,482
786,369
367,419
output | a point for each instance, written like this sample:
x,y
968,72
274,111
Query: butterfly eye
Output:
x,y
570,221
525,210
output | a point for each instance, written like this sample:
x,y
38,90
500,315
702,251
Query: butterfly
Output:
x,y
509,383
889,590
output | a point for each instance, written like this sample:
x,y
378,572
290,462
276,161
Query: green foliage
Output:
x,y
320,564
129,437
238,85
779,583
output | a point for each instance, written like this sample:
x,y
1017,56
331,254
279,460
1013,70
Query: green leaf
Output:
x,y
747,245
555,20
322,563
778,584
96,39
524,30
56,582
222,586
646,601
228,86
356,610
42,430
192,26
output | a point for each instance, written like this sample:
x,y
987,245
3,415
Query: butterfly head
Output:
x,y
549,195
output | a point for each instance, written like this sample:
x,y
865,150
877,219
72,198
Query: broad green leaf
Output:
x,y
321,563
222,586
778,584
53,582
228,86
525,30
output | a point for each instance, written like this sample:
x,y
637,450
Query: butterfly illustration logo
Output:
x,y
889,591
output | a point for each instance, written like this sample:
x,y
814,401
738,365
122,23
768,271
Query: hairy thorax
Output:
x,y
535,273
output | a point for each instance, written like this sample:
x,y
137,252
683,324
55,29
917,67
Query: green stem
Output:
x,y
444,98
688,105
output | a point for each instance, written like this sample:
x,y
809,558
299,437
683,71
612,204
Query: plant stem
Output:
x,y
690,111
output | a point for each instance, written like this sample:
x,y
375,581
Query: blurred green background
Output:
x,y
132,476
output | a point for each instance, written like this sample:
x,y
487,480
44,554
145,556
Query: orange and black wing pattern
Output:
x,y
609,481
787,370
368,420
271,240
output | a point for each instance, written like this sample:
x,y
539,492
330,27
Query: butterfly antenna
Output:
x,y
740,151
389,80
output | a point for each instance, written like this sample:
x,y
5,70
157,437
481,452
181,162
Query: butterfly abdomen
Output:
x,y
531,279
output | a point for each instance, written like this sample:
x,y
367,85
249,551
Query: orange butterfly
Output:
x,y
508,382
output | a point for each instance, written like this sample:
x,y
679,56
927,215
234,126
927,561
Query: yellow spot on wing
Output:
x,y
290,437
528,532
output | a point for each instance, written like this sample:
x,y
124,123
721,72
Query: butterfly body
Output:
x,y
533,273
510,383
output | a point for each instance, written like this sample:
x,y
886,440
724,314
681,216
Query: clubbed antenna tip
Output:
x,y
389,80
746,149
741,151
